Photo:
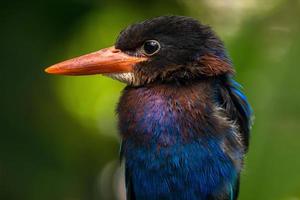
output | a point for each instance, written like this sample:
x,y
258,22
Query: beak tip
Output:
x,y
47,70
50,70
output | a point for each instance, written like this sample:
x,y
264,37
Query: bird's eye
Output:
x,y
150,47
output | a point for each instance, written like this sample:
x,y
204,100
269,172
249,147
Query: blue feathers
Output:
x,y
240,111
241,98
183,171
234,102
178,145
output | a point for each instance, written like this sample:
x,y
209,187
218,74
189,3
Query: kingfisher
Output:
x,y
183,119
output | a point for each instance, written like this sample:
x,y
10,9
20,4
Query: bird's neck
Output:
x,y
165,114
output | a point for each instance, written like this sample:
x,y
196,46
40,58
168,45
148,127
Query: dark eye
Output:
x,y
150,47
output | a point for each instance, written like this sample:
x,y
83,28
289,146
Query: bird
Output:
x,y
183,119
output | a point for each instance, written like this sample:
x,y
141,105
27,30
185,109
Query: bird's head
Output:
x,y
163,49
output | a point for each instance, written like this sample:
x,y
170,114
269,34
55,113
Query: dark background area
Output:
x,y
58,134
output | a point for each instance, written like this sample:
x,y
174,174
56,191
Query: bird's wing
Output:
x,y
234,102
232,99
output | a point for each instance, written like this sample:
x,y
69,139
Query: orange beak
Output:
x,y
109,60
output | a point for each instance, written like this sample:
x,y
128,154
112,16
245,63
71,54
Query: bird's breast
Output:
x,y
161,114
175,139
168,114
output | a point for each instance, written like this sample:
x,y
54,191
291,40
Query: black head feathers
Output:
x,y
186,49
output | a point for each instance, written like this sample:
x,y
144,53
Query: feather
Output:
x,y
234,101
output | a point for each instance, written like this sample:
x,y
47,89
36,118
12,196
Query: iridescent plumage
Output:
x,y
185,126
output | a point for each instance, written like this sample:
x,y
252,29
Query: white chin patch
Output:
x,y
127,77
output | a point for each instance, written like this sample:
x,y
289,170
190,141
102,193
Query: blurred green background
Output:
x,y
58,134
